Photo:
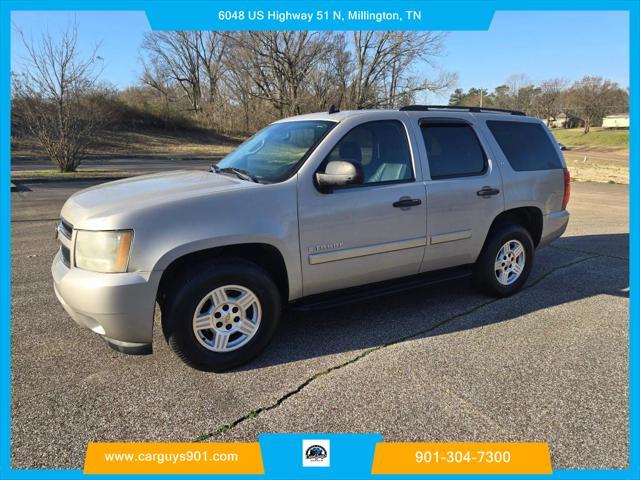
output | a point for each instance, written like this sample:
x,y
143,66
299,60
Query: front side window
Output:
x,y
453,150
275,152
380,147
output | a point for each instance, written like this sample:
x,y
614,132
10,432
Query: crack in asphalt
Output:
x,y
258,411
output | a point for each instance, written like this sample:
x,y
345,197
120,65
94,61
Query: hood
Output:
x,y
110,199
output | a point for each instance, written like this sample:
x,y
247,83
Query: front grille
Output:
x,y
65,228
66,255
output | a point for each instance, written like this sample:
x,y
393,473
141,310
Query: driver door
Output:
x,y
374,231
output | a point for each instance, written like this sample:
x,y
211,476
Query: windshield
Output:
x,y
276,151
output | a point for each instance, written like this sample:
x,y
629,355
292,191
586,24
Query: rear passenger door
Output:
x,y
464,191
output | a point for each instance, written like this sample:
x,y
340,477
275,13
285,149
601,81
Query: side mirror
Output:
x,y
338,173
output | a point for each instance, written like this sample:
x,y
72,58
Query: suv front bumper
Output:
x,y
117,306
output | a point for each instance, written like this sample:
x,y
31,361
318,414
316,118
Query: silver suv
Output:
x,y
310,211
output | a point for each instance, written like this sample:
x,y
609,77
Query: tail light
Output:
x,y
567,188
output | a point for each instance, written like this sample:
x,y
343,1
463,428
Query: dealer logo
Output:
x,y
315,453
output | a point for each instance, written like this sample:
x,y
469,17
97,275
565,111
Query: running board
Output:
x,y
364,292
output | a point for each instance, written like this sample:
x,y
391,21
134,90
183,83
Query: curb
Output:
x,y
106,158
18,181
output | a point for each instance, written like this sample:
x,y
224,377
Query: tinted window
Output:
x,y
453,150
380,147
526,145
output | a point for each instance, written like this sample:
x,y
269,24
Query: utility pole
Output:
x,y
481,97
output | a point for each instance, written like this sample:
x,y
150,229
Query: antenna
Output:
x,y
333,109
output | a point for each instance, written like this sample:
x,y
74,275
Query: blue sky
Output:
x,y
119,34
542,45
539,44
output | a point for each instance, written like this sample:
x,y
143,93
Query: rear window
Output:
x,y
453,150
526,145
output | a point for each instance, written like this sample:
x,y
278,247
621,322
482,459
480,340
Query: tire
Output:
x,y
507,280
212,291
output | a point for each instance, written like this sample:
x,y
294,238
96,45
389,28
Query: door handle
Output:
x,y
486,192
406,202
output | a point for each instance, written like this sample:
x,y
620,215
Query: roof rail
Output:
x,y
421,108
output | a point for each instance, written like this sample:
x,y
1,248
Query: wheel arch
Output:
x,y
264,255
531,218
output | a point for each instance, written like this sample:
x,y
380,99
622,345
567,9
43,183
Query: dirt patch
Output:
x,y
586,167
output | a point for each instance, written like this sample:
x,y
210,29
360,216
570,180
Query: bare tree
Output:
x,y
328,81
156,76
383,66
550,98
175,54
54,96
280,63
594,98
240,89
265,74
187,69
212,48
522,93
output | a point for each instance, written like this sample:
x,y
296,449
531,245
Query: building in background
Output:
x,y
619,120
563,120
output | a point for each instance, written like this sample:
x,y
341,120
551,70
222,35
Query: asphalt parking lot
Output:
x,y
436,364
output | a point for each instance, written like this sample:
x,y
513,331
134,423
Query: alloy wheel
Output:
x,y
509,263
227,318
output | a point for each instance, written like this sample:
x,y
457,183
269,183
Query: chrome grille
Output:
x,y
65,228
65,233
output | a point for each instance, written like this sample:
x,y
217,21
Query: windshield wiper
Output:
x,y
238,172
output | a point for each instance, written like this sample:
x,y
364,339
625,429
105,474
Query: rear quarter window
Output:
x,y
527,146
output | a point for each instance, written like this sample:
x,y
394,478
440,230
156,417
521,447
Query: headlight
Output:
x,y
106,252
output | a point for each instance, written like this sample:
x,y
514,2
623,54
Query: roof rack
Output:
x,y
421,108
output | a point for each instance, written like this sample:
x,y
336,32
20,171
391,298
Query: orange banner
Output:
x,y
461,458
161,458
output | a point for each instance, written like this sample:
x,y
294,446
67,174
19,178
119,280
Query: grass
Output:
x,y
148,142
597,137
602,155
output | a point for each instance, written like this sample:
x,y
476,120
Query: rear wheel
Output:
x,y
222,315
505,261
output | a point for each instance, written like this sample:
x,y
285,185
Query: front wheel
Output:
x,y
221,316
505,261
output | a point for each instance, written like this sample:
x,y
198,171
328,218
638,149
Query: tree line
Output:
x,y
232,82
584,102
237,82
